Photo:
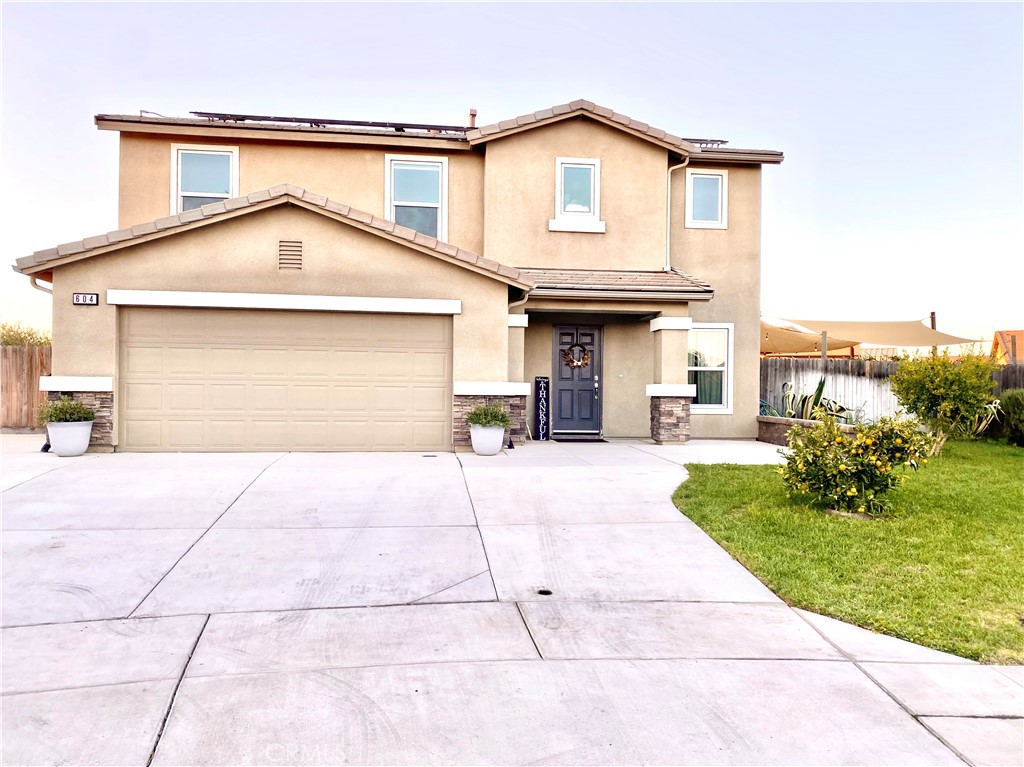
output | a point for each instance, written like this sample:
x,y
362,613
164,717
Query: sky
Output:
x,y
902,191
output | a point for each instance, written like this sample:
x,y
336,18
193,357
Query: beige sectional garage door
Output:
x,y
225,379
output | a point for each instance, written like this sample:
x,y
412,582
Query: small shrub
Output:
x,y
64,410
15,334
1012,403
950,396
489,415
852,473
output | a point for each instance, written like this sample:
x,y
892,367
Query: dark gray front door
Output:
x,y
576,387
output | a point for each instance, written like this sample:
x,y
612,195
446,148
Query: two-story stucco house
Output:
x,y
296,284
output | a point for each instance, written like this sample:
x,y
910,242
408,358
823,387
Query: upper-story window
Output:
x,y
707,199
201,175
577,195
416,193
710,366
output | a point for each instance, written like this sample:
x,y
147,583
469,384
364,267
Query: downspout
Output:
x,y
668,214
37,286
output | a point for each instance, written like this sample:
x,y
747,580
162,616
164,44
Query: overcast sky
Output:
x,y
902,191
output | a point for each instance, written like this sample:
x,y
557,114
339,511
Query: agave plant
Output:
x,y
805,405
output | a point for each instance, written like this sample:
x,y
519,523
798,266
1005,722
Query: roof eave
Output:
x,y
479,136
623,295
281,133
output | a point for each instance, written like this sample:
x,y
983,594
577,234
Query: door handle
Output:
x,y
597,385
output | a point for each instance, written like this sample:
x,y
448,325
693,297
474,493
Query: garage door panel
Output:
x,y
271,363
311,363
184,398
143,434
227,398
351,365
264,398
266,380
222,361
185,435
143,360
351,399
142,397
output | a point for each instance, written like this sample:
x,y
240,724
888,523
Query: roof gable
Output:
x,y
283,194
582,108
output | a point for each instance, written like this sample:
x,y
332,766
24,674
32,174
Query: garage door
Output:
x,y
223,379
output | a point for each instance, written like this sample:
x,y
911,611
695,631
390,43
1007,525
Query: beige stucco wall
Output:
x,y
519,199
628,350
352,175
240,255
729,259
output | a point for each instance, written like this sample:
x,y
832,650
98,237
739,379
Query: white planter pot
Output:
x,y
67,439
487,440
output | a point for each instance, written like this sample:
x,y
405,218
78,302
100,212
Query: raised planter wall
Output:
x,y
774,430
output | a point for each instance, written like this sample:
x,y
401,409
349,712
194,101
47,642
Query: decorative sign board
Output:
x,y
541,418
85,299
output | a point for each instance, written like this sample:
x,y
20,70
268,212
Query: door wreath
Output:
x,y
576,362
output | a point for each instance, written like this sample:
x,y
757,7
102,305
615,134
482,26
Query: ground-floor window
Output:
x,y
710,366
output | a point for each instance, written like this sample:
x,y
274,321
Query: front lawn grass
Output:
x,y
946,570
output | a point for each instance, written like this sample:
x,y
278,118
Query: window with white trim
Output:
x,y
707,199
710,367
201,175
577,195
416,193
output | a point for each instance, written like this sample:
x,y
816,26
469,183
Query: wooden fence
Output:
x,y
21,367
860,385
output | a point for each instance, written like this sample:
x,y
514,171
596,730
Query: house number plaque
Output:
x,y
542,422
85,299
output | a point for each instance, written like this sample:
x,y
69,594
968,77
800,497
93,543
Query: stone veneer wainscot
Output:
x,y
102,402
464,404
670,420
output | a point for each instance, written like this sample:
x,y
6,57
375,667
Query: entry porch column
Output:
x,y
671,392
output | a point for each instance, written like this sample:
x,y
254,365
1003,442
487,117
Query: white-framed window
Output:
x,y
710,366
416,193
202,174
577,195
707,199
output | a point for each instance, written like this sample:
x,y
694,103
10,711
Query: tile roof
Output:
x,y
581,106
276,195
606,280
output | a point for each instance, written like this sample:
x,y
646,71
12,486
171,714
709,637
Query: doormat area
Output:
x,y
577,439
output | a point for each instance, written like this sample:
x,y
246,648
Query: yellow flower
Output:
x,y
869,441
852,491
924,460
839,440
842,467
861,509
899,441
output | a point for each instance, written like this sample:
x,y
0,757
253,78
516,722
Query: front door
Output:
x,y
576,381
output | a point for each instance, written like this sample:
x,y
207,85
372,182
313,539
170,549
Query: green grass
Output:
x,y
946,570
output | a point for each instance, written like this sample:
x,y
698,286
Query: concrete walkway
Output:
x,y
545,606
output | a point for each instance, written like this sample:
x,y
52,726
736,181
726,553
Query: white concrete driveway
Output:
x,y
549,606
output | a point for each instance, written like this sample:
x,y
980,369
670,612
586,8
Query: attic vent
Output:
x,y
289,254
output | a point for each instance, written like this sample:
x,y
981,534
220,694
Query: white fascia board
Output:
x,y
490,388
672,390
76,383
671,323
196,299
519,320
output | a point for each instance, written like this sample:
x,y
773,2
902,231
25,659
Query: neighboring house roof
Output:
x,y
602,283
711,147
448,137
44,260
1008,346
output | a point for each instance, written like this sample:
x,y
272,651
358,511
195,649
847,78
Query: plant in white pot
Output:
x,y
487,424
69,425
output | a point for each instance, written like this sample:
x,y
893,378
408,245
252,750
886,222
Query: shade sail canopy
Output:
x,y
910,333
776,340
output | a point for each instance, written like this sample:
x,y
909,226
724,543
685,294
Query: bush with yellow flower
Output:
x,y
853,472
